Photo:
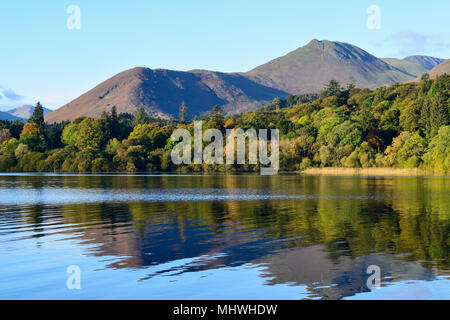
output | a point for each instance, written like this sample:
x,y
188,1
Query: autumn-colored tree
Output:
x,y
33,137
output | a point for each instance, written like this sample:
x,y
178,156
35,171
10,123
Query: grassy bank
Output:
x,y
379,172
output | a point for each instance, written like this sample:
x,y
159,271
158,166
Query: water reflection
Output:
x,y
286,237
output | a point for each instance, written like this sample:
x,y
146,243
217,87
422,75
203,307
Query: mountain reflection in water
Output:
x,y
223,236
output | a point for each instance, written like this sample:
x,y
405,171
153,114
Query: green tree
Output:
x,y
141,117
89,134
439,111
438,154
38,118
410,115
152,136
333,88
70,133
9,146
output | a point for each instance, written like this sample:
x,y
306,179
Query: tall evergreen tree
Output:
x,y
216,121
38,117
141,117
439,111
182,112
333,88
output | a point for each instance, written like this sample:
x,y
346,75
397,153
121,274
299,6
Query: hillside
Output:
x,y
444,67
440,69
8,117
306,69
162,91
415,65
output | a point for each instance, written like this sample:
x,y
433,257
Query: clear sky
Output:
x,y
41,59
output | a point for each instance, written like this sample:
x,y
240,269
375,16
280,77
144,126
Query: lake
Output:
x,y
224,236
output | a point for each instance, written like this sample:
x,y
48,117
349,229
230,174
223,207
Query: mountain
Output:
x,y
25,112
162,91
444,67
415,65
8,117
308,68
305,70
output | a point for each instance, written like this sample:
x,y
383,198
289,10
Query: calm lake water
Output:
x,y
224,236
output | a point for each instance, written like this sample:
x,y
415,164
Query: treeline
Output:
x,y
402,126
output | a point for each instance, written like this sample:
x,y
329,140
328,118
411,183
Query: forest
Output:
x,y
400,126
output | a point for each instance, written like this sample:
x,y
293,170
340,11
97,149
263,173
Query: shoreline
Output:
x,y
327,171
377,172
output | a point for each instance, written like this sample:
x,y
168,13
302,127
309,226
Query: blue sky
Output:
x,y
41,59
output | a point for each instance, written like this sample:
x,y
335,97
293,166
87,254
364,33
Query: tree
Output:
x,y
16,128
406,150
366,118
410,115
5,135
333,88
89,134
141,117
110,124
69,134
38,118
53,134
32,137
151,136
439,111
9,146
216,121
438,155
21,150
114,116
113,123
182,112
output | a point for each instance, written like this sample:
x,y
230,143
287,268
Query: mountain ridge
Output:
x,y
416,65
304,70
8,117
161,92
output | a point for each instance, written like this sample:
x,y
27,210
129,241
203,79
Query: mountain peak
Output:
x,y
314,42
306,69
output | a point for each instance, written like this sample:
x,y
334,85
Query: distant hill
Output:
x,y
308,68
8,117
444,67
415,65
162,91
25,111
